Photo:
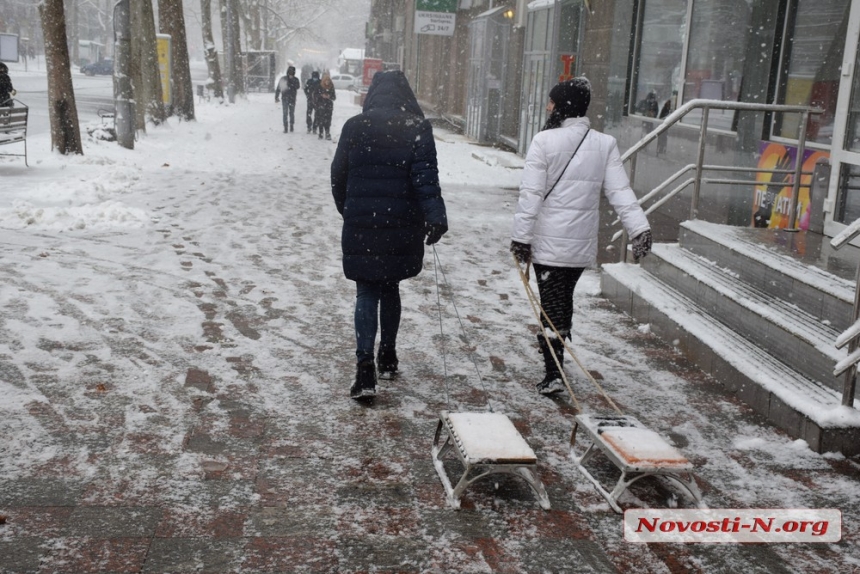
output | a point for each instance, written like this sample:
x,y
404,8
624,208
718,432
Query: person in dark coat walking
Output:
x,y
324,105
288,87
310,89
385,183
6,89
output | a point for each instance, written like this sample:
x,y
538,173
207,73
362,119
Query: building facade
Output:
x,y
645,58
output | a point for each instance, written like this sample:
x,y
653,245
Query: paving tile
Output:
x,y
180,555
96,555
119,522
290,554
196,522
22,555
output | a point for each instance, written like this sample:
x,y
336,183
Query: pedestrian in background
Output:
x,y
7,92
310,89
555,227
288,87
324,105
385,183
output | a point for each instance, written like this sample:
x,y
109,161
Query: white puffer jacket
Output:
x,y
562,229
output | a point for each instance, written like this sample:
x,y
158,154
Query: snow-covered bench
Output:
x,y
13,128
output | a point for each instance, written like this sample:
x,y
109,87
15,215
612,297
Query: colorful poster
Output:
x,y
772,203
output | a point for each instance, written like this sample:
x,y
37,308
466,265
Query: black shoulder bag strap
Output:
x,y
568,164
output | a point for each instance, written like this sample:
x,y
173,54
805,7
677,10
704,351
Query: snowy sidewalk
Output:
x,y
176,350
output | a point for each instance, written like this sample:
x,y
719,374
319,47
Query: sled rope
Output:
x,y
535,305
437,268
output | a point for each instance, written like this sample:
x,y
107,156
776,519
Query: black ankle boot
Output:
x,y
365,381
386,361
552,382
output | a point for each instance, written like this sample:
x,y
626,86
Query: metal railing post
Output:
x,y
622,257
798,167
850,383
700,160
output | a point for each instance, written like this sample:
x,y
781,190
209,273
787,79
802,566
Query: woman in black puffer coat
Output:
x,y
385,184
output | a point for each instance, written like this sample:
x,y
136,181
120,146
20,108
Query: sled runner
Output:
x,y
636,451
486,443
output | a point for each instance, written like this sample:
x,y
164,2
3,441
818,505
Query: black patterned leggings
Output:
x,y
555,285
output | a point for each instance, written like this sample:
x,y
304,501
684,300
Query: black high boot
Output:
x,y
365,380
552,382
386,361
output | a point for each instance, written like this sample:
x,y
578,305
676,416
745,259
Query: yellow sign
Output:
x,y
163,45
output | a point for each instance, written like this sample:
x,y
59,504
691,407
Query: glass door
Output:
x,y
845,152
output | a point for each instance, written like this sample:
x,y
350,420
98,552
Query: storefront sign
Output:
x,y
772,203
435,17
568,67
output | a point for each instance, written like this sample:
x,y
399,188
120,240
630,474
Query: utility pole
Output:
x,y
231,71
122,90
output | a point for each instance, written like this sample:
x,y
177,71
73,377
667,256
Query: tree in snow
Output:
x,y
171,20
65,131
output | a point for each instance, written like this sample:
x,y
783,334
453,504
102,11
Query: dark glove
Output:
x,y
641,245
522,252
434,232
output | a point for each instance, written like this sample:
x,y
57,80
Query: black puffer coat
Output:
x,y
385,183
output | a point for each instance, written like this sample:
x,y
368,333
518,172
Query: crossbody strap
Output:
x,y
568,164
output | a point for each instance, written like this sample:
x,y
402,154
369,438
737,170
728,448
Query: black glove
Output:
x,y
434,232
522,252
642,245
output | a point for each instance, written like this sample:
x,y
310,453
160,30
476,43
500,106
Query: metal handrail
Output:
x,y
850,336
707,105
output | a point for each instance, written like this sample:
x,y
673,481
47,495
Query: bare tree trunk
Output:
x,y
72,31
236,73
150,99
65,131
254,25
211,52
172,21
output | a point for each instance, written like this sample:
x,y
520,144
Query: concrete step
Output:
x,y
802,341
766,267
791,401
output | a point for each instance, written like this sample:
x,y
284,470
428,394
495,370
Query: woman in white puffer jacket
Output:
x,y
555,227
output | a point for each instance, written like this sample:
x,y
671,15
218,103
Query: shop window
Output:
x,y
661,47
812,63
568,39
714,67
852,137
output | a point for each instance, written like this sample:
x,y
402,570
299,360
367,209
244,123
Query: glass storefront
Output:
x,y
811,65
551,54
659,55
714,67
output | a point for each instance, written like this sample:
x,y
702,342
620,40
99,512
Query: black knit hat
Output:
x,y
571,97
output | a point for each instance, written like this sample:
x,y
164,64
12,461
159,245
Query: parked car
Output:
x,y
344,82
102,67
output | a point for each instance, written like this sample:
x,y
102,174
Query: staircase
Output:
x,y
759,310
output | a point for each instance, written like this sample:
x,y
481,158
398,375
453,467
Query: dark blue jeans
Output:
x,y
376,305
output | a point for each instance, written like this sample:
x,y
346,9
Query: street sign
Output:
x,y
8,47
435,17
163,46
